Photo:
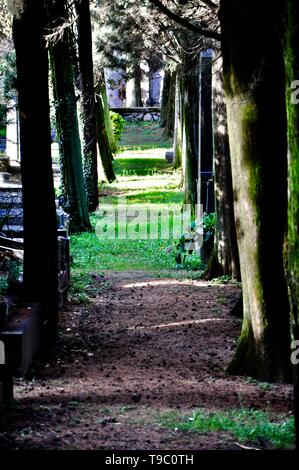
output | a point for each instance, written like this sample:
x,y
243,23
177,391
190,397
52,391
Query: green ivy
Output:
x,y
186,258
209,222
118,124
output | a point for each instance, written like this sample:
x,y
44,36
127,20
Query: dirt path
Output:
x,y
141,347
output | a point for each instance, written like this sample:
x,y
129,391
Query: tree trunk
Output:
x,y
86,84
206,166
168,104
73,187
165,95
254,85
178,130
134,95
225,258
292,72
40,226
189,84
107,118
106,156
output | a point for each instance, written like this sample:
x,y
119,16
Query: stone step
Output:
x,y
12,231
12,222
11,212
21,338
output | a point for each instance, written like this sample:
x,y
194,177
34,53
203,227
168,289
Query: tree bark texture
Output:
x,y
189,88
106,157
88,106
40,226
73,186
226,254
178,128
254,84
292,75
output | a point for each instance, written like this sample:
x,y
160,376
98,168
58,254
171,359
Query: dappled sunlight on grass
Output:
x,y
144,136
92,254
145,179
124,184
140,166
158,152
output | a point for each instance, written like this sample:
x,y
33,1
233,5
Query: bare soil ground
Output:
x,y
140,347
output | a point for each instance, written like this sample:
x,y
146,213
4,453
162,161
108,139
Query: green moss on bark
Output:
x,y
292,74
254,81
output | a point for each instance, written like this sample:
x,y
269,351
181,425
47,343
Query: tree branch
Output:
x,y
185,23
210,4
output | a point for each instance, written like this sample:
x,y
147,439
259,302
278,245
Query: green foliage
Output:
x,y
142,147
82,287
96,255
209,222
8,89
118,124
10,270
143,136
142,180
183,251
2,120
190,262
140,166
8,73
14,269
3,284
186,257
245,425
222,280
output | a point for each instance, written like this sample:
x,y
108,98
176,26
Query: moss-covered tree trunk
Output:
x,y
88,106
225,257
40,226
292,74
189,89
178,129
168,103
254,85
165,96
72,179
108,122
106,157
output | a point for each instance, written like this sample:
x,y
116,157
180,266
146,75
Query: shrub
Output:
x,y
3,284
118,124
186,257
209,222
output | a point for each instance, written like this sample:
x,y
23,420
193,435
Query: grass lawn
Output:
x,y
144,178
143,135
245,425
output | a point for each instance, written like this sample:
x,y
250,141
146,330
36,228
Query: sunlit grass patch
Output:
x,y
148,181
144,136
92,254
140,166
245,425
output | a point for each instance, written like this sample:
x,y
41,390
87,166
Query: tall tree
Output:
x,y
189,88
40,226
178,131
107,116
168,102
134,92
254,85
88,107
225,256
292,75
106,157
62,56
